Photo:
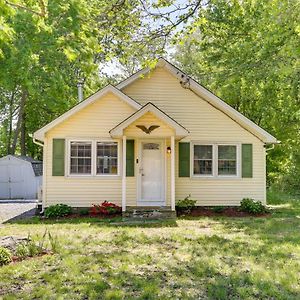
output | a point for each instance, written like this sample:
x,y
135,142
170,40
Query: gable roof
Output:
x,y
180,131
208,96
39,134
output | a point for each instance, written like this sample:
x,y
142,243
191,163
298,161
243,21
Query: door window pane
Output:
x,y
203,159
227,160
107,158
81,158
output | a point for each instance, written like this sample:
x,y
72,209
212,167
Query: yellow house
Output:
x,y
156,137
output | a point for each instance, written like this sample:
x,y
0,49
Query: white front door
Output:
x,y
151,174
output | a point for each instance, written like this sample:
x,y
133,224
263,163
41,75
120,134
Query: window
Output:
x,y
215,160
203,159
107,158
81,158
227,162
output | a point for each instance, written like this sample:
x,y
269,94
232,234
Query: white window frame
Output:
x,y
213,160
118,157
237,158
215,174
94,142
68,158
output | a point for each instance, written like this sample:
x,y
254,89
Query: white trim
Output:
x,y
149,107
93,173
124,174
173,173
139,201
210,98
215,148
192,160
39,134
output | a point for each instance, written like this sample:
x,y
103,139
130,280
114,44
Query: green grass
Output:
x,y
204,258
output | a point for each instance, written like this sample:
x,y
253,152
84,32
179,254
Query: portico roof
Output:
x,y
179,130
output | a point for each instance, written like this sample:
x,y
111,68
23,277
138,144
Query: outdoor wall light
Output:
x,y
169,150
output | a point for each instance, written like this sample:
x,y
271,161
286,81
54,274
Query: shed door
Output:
x,y
4,182
17,188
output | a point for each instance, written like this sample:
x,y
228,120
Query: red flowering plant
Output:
x,y
106,208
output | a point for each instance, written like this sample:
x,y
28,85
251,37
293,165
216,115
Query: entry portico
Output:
x,y
154,133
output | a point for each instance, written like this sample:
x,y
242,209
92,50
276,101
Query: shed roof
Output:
x,y
36,165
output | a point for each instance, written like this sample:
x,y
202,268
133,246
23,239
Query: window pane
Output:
x,y
81,158
203,167
227,152
203,159
107,158
227,160
203,151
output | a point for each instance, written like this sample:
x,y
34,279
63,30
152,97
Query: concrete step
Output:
x,y
149,213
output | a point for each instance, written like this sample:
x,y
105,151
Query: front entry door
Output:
x,y
151,174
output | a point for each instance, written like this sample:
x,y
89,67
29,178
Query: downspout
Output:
x,y
271,148
35,141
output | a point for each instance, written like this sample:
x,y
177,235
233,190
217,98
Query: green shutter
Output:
x,y
58,157
130,158
184,159
247,161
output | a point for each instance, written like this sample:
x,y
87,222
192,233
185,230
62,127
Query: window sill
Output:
x,y
97,177
216,177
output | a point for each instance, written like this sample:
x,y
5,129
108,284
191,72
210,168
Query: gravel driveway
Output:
x,y
16,210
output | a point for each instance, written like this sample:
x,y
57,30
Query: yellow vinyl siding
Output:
x,y
147,120
206,124
94,121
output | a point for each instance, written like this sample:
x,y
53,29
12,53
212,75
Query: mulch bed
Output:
x,y
226,212
79,216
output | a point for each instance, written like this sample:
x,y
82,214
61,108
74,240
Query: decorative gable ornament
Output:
x,y
147,130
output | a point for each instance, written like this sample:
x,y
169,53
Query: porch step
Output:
x,y
149,213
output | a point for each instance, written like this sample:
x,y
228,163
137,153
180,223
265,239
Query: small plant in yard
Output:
x,y
106,208
185,205
22,251
253,207
53,242
58,210
5,256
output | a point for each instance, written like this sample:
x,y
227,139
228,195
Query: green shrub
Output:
x,y
253,207
186,204
218,209
5,256
84,212
58,210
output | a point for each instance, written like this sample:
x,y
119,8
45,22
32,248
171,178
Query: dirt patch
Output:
x,y
224,212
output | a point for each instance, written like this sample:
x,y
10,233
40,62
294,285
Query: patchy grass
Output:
x,y
206,258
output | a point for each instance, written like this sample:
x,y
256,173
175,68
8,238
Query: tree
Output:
x,y
247,52
50,52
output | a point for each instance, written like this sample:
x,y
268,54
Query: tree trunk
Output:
x,y
10,121
19,122
23,136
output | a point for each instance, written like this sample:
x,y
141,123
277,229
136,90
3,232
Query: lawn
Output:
x,y
203,258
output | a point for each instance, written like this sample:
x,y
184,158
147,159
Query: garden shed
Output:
x,y
20,177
